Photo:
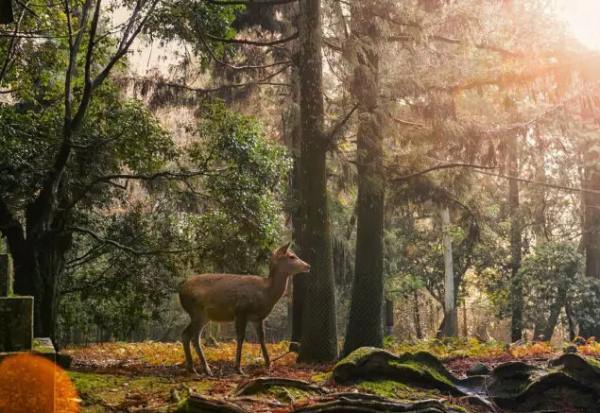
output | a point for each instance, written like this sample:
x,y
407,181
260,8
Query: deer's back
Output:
x,y
222,297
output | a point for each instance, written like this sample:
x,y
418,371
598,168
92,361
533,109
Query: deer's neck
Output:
x,y
277,284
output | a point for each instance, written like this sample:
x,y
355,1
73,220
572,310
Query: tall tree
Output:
x,y
38,236
516,287
365,326
319,331
450,327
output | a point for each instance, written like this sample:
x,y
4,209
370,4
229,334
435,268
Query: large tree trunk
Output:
x,y
516,287
450,328
365,318
39,265
292,133
591,215
319,331
591,227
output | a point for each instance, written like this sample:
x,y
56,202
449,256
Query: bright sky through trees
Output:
x,y
583,20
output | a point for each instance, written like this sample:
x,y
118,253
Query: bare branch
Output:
x,y
127,248
331,134
249,2
440,167
252,42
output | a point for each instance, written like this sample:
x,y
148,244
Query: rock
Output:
x,y
570,349
478,369
579,341
16,323
571,381
422,370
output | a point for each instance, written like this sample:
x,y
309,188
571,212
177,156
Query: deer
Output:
x,y
237,298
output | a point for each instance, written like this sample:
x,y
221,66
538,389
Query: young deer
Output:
x,y
239,298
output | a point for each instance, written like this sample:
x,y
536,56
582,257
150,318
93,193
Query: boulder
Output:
x,y
421,369
478,369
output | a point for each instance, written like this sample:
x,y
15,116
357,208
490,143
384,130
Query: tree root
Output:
x,y
368,403
263,383
202,404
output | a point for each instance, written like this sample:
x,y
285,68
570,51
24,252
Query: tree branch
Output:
x,y
127,248
331,134
249,2
252,42
440,167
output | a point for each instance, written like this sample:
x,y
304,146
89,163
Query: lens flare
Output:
x,y
583,20
32,384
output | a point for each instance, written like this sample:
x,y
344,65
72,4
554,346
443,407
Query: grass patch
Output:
x,y
107,392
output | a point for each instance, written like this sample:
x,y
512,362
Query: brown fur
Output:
x,y
239,298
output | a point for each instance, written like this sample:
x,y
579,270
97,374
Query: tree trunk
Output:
x,y
417,315
365,318
39,265
450,328
389,316
555,313
319,331
591,227
539,194
516,288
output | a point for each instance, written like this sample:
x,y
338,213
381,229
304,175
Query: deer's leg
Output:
x,y
260,331
196,335
240,329
186,337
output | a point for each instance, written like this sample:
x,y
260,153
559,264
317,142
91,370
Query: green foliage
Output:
x,y
225,219
548,273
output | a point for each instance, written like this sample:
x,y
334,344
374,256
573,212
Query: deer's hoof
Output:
x,y
208,371
191,370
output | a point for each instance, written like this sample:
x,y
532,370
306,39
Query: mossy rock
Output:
x,y
422,370
282,389
571,382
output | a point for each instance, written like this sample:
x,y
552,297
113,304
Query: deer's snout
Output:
x,y
307,267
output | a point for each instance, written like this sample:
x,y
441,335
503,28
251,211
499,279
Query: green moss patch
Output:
x,y
418,370
106,392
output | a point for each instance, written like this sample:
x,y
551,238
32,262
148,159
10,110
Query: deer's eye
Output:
x,y
293,257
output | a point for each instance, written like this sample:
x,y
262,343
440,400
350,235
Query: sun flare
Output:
x,y
583,20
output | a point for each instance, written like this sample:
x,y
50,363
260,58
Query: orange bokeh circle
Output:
x,y
33,384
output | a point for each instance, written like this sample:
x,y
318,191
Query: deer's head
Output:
x,y
285,261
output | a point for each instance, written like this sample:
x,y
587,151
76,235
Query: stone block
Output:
x,y
16,324
6,275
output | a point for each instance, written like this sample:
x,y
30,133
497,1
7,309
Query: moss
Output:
x,y
423,370
99,390
321,378
395,390
41,347
288,394
357,355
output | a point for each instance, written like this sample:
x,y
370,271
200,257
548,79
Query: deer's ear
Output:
x,y
283,249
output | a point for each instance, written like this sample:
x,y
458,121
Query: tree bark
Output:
x,y
417,315
365,318
292,133
450,328
591,214
591,225
516,288
319,331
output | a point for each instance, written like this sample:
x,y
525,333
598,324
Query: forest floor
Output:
x,y
149,377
